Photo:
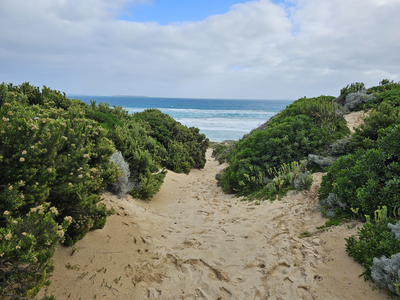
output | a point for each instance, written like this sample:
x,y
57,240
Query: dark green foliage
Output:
x,y
107,121
219,152
389,93
143,154
391,97
218,149
185,147
389,142
385,82
375,240
368,178
293,176
35,95
383,87
105,116
320,109
56,151
364,180
26,247
49,154
366,135
306,126
351,88
84,220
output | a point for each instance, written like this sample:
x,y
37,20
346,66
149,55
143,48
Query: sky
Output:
x,y
229,49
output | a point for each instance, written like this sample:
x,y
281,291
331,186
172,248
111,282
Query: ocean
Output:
x,y
218,119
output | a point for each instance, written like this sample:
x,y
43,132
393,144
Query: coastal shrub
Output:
x,y
366,135
320,109
332,206
375,240
178,158
286,177
219,152
339,147
389,93
304,127
26,246
378,250
364,180
368,178
168,133
395,228
143,154
105,116
48,154
384,85
351,88
35,95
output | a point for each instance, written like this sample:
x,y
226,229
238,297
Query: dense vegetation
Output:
x,y
57,155
306,126
365,184
185,147
55,161
362,168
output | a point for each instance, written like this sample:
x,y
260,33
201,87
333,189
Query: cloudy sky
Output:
x,y
265,49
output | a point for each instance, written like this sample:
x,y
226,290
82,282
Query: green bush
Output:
x,y
293,176
351,88
320,109
219,152
105,116
169,133
383,87
26,247
143,154
35,95
289,137
368,178
389,93
366,135
51,155
375,240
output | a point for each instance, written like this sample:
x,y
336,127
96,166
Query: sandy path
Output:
x,y
194,242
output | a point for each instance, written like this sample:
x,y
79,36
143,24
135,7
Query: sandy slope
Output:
x,y
194,242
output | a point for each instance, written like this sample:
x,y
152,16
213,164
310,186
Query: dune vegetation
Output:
x,y
57,155
55,163
362,180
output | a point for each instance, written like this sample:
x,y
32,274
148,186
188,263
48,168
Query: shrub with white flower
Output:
x,y
40,144
26,246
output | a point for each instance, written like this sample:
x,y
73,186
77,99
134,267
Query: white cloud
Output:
x,y
249,52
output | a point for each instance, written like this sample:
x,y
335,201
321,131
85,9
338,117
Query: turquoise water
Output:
x,y
218,119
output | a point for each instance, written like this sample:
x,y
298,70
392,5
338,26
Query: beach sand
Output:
x,y
192,241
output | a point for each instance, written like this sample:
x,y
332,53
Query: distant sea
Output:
x,y
218,119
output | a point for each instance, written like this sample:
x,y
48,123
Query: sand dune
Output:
x,y
194,242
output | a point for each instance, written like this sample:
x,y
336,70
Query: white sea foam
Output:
x,y
217,125
205,113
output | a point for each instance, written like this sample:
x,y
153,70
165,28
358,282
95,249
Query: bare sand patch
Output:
x,y
355,119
